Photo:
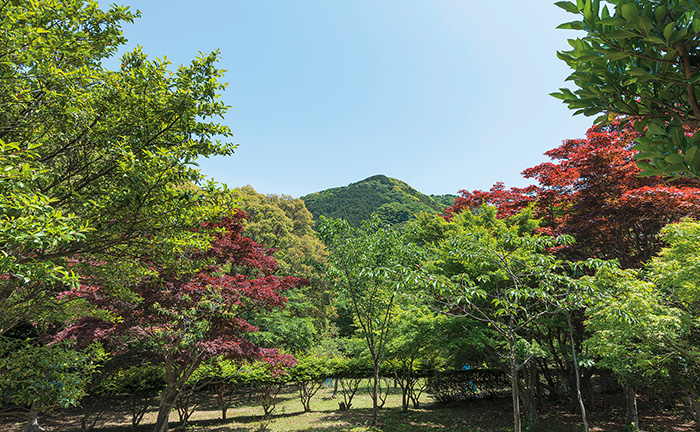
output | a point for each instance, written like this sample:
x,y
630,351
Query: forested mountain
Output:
x,y
393,200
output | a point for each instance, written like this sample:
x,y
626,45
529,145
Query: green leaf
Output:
x,y
621,34
588,12
630,12
567,6
613,21
674,159
614,56
692,156
653,128
660,13
677,135
675,169
573,25
645,141
637,72
644,23
668,31
654,40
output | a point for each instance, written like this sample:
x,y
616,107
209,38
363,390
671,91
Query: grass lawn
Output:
x,y
493,415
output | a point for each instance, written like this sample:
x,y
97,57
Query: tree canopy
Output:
x,y
592,191
639,59
98,161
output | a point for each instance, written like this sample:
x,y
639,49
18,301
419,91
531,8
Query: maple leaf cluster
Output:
x,y
592,191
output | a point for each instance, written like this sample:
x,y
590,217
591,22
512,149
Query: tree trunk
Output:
x,y
695,408
527,397
375,396
577,373
669,401
632,417
537,385
571,381
405,388
587,388
33,420
514,389
551,384
167,401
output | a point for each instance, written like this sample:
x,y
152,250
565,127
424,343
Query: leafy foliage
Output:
x,y
593,192
95,162
45,377
634,331
186,318
499,273
639,59
366,264
284,224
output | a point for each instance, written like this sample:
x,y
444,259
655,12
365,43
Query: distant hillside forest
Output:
x,y
393,200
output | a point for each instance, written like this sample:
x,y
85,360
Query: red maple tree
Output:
x,y
592,191
185,318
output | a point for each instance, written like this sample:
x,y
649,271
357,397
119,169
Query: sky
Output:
x,y
442,94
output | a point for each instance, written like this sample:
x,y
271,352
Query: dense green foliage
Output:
x,y
500,277
392,200
46,377
95,161
446,200
639,59
284,224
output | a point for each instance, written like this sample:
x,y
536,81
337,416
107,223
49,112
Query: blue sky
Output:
x,y
443,94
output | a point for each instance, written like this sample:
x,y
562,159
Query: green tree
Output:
x,y
415,349
635,333
639,59
675,273
498,273
29,226
308,375
284,224
45,377
366,265
95,162
645,323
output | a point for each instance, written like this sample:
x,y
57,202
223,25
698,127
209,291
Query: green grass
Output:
x,y
493,415
325,415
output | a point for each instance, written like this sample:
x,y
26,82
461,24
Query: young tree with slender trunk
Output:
x,y
363,263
